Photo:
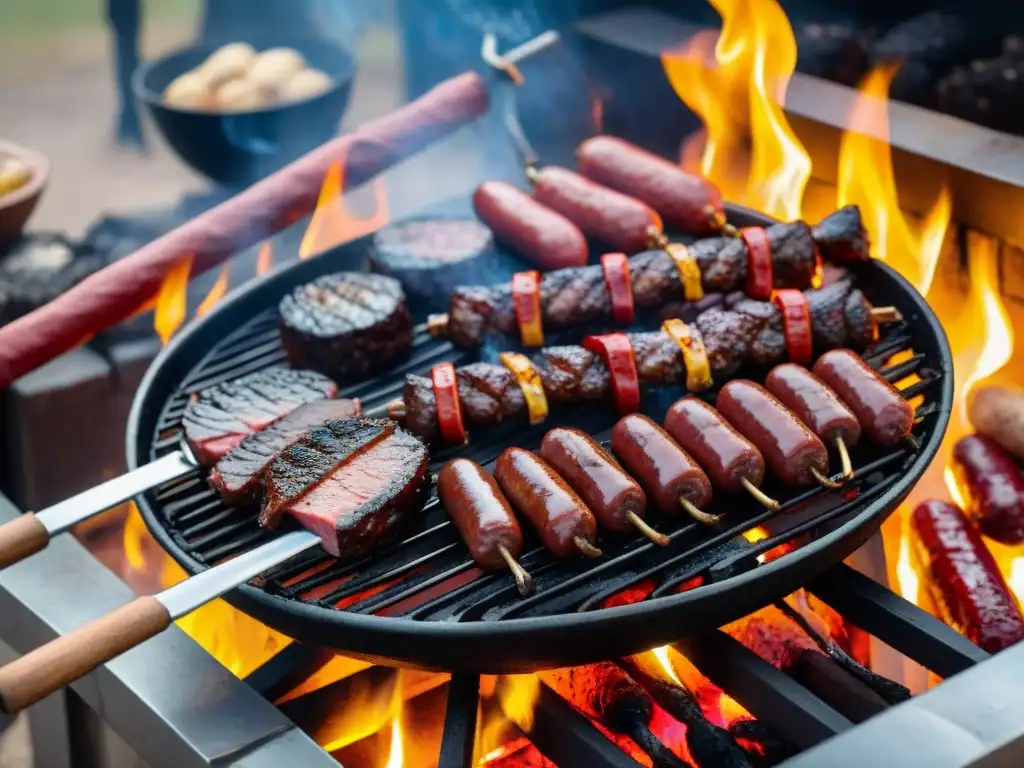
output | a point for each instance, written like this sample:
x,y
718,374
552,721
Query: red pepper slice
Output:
x,y
616,350
796,322
620,289
760,280
449,408
526,301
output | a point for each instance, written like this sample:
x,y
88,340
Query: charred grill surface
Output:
x,y
218,418
346,324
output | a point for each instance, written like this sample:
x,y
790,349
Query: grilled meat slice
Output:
x,y
237,476
217,419
349,324
304,464
368,497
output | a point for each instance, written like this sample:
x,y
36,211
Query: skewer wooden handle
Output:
x,y
20,538
36,675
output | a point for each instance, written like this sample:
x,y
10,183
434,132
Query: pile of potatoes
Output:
x,y
14,174
236,78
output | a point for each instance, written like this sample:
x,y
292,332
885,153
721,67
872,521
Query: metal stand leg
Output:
x,y
51,733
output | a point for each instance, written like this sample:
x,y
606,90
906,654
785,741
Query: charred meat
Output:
x,y
217,419
349,324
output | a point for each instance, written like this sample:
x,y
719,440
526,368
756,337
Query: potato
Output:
x,y
227,63
14,174
239,94
188,90
274,68
305,85
999,413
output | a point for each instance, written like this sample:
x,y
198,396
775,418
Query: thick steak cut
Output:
x,y
237,476
367,499
217,419
305,463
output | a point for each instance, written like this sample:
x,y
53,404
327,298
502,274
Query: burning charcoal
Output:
x,y
835,52
986,92
929,45
765,747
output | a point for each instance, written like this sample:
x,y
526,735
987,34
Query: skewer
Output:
x,y
524,581
638,522
824,481
887,314
762,498
698,514
586,548
844,459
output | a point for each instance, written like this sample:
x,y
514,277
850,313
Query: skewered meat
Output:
x,y
304,464
579,295
217,419
992,486
368,497
237,476
814,403
841,237
349,324
490,394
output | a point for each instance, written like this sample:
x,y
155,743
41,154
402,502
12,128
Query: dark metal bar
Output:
x,y
896,622
771,696
286,670
460,722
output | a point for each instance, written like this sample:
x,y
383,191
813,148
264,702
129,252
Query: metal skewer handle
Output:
x,y
31,532
36,675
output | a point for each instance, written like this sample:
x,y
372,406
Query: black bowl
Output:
x,y
238,148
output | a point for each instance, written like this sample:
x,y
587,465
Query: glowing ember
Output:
x,y
172,300
333,223
265,258
661,654
516,698
216,292
750,151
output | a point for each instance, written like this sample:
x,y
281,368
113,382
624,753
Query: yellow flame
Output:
x,y
750,150
906,574
172,300
332,222
517,697
661,654
1016,577
134,534
866,179
396,756
216,293
265,258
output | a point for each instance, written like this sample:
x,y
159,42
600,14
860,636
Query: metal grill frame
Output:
x,y
525,644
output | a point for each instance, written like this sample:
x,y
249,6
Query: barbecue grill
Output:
x,y
422,602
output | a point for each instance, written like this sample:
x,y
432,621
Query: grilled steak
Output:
x,y
308,461
349,324
237,476
217,419
367,498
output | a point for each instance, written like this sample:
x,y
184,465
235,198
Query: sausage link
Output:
x,y
546,500
538,233
687,202
594,474
992,487
663,468
814,403
790,449
620,222
726,455
884,415
480,512
965,583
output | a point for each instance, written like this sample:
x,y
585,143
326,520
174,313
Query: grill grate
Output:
x,y
429,576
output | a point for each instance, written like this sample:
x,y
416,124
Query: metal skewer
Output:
x,y
825,481
638,522
760,496
698,514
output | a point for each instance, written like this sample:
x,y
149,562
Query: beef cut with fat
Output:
x,y
237,476
365,500
218,418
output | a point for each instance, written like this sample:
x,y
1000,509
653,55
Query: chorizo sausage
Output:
x,y
620,222
538,233
999,413
814,403
963,578
884,415
793,453
564,523
992,487
686,201
480,512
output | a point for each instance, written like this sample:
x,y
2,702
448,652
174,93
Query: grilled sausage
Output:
x,y
884,415
992,487
606,489
790,449
480,512
559,516
662,467
620,222
686,202
538,233
726,455
814,403
965,583
999,413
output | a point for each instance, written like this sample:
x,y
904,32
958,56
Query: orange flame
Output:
x,y
750,150
172,300
265,258
516,698
217,291
333,223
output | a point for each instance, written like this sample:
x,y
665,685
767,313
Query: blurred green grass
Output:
x,y
21,19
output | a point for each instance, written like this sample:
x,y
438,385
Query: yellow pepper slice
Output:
x,y
689,271
695,356
529,382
